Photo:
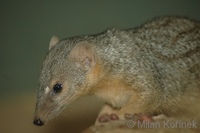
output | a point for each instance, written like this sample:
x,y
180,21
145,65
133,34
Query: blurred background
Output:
x,y
26,27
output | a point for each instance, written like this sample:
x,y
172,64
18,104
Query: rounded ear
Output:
x,y
54,40
83,54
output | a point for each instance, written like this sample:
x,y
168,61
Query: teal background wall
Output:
x,y
26,27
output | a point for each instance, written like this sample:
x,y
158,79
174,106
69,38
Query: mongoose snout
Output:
x,y
38,122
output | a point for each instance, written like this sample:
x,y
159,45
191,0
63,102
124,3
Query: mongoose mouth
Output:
x,y
38,122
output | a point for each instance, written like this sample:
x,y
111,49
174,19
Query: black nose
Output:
x,y
38,122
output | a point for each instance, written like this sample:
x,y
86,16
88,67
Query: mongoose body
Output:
x,y
153,68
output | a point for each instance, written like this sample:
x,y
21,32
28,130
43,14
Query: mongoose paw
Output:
x,y
138,117
108,117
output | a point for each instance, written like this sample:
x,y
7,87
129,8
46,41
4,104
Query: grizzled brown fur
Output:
x,y
151,68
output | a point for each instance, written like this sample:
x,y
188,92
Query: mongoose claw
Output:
x,y
108,117
138,117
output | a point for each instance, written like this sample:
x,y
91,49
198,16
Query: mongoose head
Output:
x,y
63,77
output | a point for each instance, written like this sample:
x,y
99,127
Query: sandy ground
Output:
x,y
17,116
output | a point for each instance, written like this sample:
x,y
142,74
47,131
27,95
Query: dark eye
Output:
x,y
57,88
